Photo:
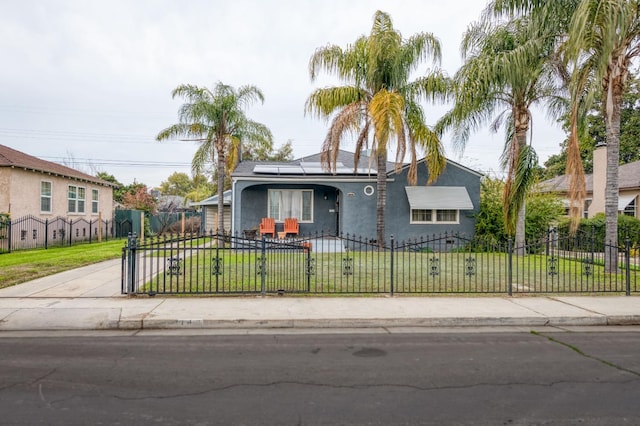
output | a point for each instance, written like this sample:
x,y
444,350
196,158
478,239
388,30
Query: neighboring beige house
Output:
x,y
48,191
628,188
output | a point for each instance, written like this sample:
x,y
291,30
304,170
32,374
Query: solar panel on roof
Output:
x,y
311,168
277,169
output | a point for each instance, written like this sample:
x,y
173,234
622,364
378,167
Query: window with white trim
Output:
x,y
95,198
434,216
76,198
285,203
45,197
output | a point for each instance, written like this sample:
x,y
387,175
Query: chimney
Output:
x,y
599,179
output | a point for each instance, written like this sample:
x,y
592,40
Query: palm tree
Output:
x,y
378,100
604,39
506,70
216,120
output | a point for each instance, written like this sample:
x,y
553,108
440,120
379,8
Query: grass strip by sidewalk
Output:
x,y
26,265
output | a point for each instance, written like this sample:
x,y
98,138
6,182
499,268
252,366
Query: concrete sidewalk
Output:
x,y
89,298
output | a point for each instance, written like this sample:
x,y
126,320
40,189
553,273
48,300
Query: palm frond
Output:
x,y
324,102
518,184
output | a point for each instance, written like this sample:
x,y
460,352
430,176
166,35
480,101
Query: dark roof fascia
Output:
x,y
61,175
307,178
449,162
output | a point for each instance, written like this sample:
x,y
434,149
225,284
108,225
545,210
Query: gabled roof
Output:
x,y
449,163
628,178
306,166
10,157
310,165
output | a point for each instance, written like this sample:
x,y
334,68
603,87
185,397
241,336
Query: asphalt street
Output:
x,y
432,378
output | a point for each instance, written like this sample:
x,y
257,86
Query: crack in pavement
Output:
x,y
586,355
30,382
359,387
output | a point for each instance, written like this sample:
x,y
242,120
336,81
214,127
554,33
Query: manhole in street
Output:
x,y
369,353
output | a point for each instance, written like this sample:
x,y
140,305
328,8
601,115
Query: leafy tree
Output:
x,y
508,67
378,100
177,183
119,189
202,188
263,150
629,133
217,121
544,210
139,198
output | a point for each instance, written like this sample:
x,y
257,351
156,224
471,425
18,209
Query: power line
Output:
x,y
117,163
66,135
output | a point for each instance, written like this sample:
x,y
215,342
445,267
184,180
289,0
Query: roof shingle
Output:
x,y
10,157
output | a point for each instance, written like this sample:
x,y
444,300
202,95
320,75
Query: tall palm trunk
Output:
x,y
381,183
612,126
520,240
521,128
221,174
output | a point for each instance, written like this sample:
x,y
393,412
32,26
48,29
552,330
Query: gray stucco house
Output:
x,y
345,201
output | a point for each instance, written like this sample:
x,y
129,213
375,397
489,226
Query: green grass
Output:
x,y
369,272
25,265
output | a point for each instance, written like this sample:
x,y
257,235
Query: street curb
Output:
x,y
166,324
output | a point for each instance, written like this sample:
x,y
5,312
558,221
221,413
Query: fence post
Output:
x,y
9,243
627,264
510,265
70,231
263,265
132,242
46,233
392,263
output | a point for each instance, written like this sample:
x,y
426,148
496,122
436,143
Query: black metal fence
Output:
x,y
30,232
328,264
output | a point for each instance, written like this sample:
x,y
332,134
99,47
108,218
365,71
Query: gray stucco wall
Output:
x,y
328,217
398,210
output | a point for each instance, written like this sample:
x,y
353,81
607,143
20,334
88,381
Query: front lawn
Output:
x,y
26,265
228,271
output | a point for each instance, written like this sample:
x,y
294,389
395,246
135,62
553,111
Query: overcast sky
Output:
x,y
91,81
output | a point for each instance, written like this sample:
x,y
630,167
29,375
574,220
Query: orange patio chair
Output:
x,y
268,226
291,226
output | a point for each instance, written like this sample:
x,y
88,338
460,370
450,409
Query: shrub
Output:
x,y
542,211
5,218
191,225
628,226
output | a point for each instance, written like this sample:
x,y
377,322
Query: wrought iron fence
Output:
x,y
30,232
333,264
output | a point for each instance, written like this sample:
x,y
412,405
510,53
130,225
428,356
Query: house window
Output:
x,y
434,216
630,210
45,197
297,203
450,216
94,201
76,199
585,211
421,215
